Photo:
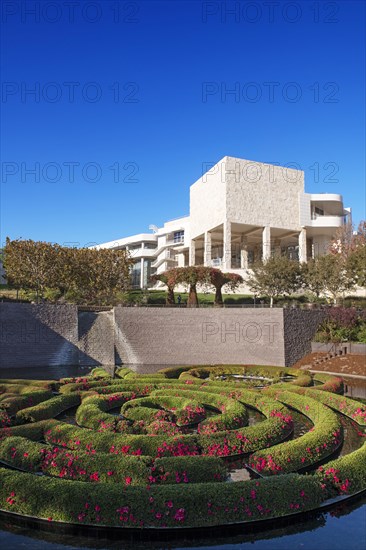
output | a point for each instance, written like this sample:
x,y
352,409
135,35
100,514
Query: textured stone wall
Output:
x,y
96,338
38,335
47,335
299,329
263,194
164,336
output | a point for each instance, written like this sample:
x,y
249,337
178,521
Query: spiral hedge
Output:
x,y
153,451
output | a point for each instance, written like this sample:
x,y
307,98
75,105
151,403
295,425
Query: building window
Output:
x,y
317,212
178,237
136,274
150,245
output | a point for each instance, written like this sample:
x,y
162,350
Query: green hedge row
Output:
x,y
250,370
330,383
321,441
91,466
233,414
15,403
345,475
182,505
34,432
73,437
22,453
345,405
45,384
276,428
92,411
48,409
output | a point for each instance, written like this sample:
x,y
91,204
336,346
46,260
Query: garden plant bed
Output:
x,y
148,469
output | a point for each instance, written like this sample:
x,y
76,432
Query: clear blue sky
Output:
x,y
145,89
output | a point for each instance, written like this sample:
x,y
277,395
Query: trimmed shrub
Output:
x,y
22,453
48,409
324,438
345,475
92,411
183,505
189,469
14,404
96,467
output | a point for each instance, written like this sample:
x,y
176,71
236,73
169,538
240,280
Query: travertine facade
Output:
x,y
241,211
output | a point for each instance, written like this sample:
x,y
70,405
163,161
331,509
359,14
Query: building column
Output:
x,y
192,253
266,243
142,274
226,260
208,249
244,253
303,257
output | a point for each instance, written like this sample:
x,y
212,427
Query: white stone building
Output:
x,y
240,211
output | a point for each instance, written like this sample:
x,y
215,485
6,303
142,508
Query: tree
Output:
x,y
312,277
356,260
31,265
218,280
343,241
277,276
333,272
87,275
170,278
192,276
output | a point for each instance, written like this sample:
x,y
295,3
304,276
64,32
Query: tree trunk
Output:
x,y
271,302
192,297
218,297
170,298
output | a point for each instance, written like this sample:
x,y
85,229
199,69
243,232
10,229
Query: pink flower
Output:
x,y
97,508
128,480
179,514
169,504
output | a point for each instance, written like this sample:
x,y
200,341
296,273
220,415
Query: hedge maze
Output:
x,y
153,451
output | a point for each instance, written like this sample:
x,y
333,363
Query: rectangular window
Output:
x,y
179,236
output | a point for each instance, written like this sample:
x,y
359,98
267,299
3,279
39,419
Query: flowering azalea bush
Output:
x,y
162,461
315,445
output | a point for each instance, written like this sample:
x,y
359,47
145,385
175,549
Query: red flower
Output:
x,y
128,480
179,514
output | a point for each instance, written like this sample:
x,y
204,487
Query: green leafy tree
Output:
x,y
312,277
356,259
275,277
31,265
87,275
332,271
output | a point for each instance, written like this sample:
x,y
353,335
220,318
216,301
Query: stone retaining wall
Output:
x,y
41,335
208,336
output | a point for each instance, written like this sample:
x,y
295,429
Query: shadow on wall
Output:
x,y
48,335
